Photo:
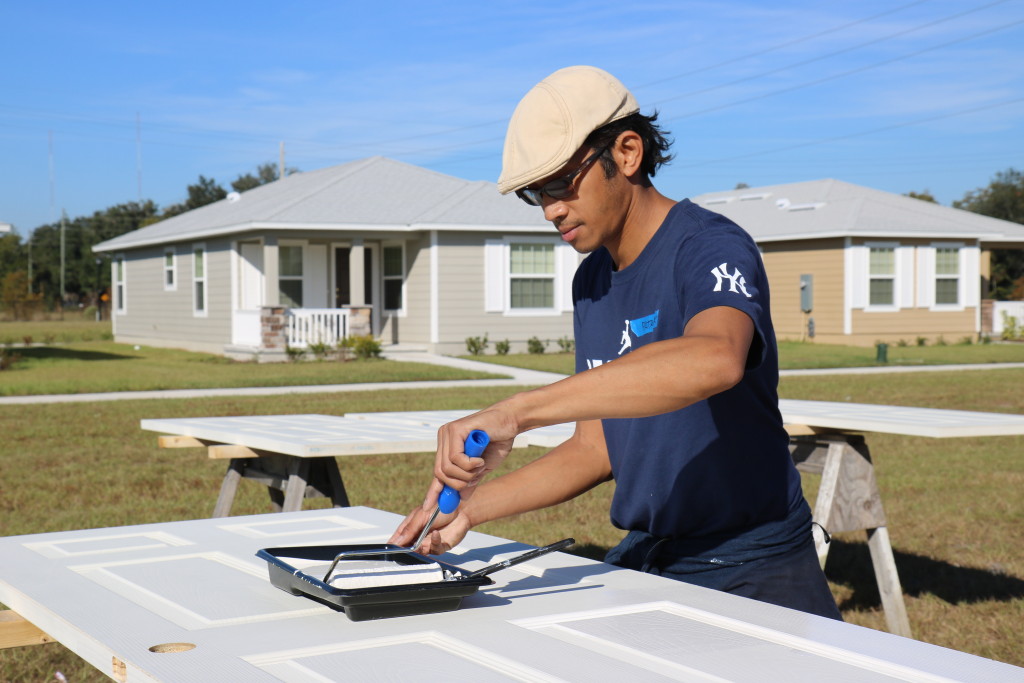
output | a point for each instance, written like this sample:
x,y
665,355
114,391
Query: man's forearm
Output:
x,y
568,470
655,379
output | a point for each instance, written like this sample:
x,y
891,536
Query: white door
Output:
x,y
250,271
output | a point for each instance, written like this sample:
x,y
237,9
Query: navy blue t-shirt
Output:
x,y
721,465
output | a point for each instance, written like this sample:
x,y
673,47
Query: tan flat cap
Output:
x,y
554,118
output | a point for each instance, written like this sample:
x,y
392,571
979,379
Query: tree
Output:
x,y
1003,198
15,297
205,191
265,173
924,196
80,234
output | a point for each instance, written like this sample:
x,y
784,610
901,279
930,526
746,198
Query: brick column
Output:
x,y
273,334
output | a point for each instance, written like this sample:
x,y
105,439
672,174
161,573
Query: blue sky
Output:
x,y
99,100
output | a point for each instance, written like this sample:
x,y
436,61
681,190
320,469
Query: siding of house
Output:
x,y
414,326
785,262
156,317
462,314
910,323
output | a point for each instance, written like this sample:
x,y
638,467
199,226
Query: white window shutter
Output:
x,y
926,277
567,260
859,266
905,273
970,276
495,265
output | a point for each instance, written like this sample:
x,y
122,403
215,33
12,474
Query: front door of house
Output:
x,y
343,281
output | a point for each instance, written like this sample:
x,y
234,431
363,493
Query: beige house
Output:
x,y
858,265
431,258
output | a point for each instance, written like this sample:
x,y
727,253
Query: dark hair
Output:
x,y
656,141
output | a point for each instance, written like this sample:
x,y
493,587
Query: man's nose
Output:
x,y
554,209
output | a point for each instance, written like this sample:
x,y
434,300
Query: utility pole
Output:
x,y
63,221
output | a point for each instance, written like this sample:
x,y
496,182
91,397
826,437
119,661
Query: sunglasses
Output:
x,y
559,188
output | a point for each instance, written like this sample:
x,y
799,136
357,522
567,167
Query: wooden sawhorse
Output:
x,y
289,479
848,500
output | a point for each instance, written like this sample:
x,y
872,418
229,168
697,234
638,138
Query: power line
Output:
x,y
852,48
881,129
779,46
833,77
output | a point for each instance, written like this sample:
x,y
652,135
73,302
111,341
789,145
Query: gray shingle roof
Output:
x,y
832,208
374,193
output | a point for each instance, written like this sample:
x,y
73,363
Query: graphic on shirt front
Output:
x,y
721,273
637,327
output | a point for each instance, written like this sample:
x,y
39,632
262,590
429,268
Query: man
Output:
x,y
675,392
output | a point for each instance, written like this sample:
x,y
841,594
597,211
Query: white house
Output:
x,y
435,259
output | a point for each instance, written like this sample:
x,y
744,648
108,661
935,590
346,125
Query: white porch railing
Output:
x,y
307,326
1014,309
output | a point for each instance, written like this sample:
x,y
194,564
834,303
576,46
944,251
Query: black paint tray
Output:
x,y
361,604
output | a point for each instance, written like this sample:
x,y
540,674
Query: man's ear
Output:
x,y
628,152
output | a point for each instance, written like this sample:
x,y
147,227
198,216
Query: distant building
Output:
x,y
870,265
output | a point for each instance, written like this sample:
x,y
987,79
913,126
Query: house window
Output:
x,y
120,304
882,276
199,292
170,270
531,275
947,276
394,273
290,275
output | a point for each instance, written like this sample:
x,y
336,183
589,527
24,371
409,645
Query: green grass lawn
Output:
x,y
800,355
954,506
105,366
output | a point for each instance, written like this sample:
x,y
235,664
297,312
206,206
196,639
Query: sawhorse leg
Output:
x,y
289,481
849,500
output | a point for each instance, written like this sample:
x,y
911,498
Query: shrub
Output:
x,y
502,347
966,341
365,346
901,342
89,313
534,345
922,341
49,338
566,344
476,345
344,348
8,359
27,340
319,350
295,354
1011,327
941,341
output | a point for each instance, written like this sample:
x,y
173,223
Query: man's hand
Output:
x,y
446,533
454,468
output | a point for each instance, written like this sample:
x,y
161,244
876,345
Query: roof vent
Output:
x,y
719,200
782,203
752,197
806,207
233,197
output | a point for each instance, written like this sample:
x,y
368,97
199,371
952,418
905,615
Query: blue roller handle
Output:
x,y
474,447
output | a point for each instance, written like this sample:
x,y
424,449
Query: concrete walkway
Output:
x,y
517,377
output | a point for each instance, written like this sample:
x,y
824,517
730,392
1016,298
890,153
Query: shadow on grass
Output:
x,y
59,353
850,564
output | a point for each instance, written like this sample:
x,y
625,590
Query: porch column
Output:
x,y
271,288
356,273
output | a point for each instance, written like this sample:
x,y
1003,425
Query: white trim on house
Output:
x,y
435,295
865,276
498,276
171,270
401,277
119,280
849,286
200,304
